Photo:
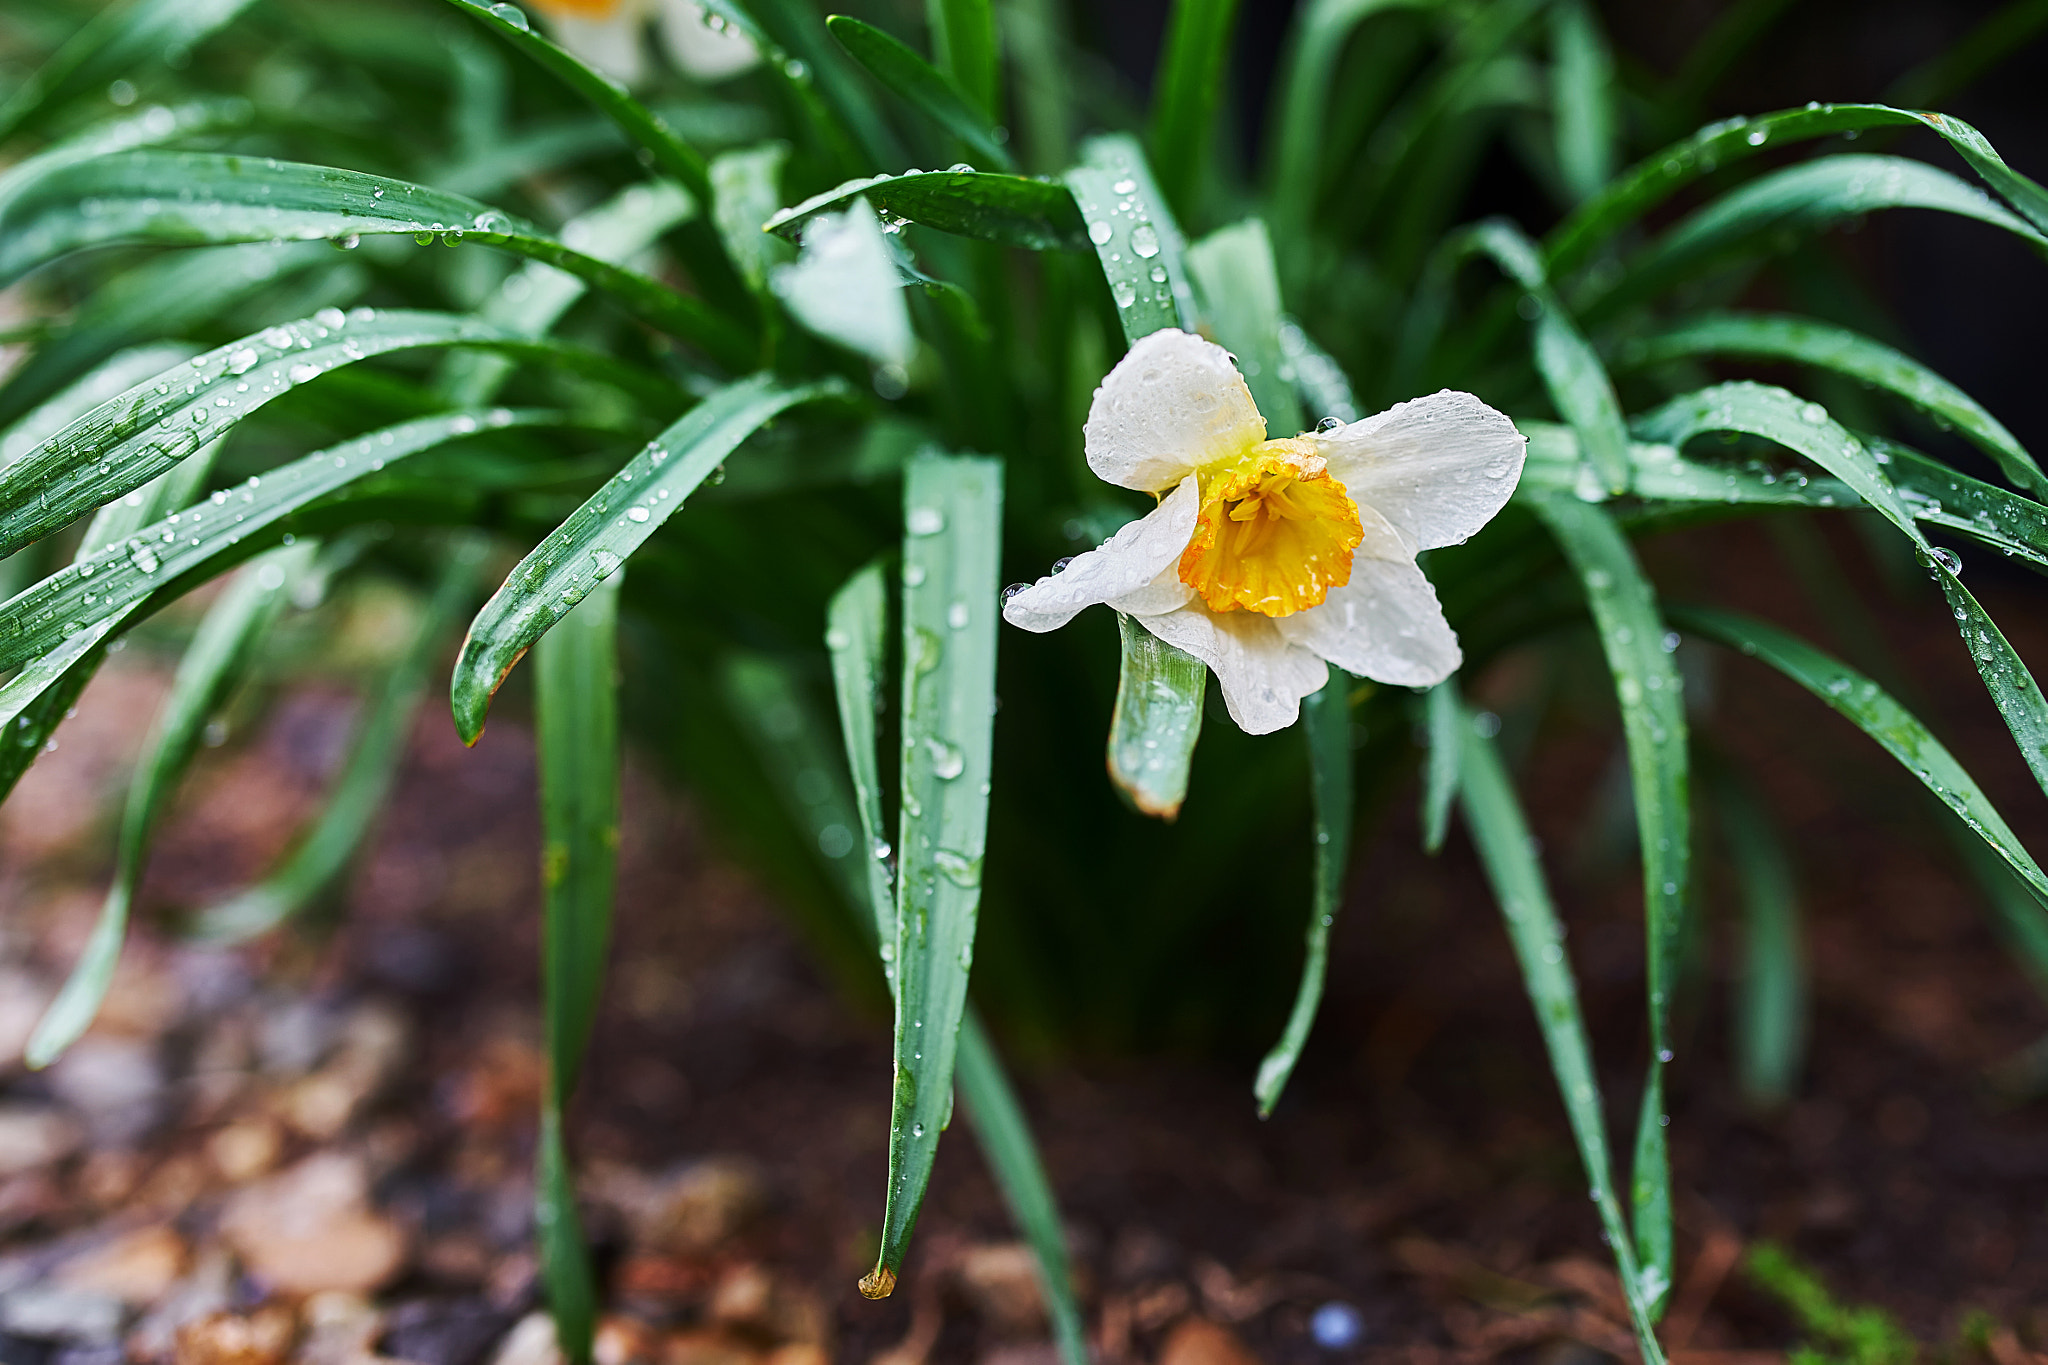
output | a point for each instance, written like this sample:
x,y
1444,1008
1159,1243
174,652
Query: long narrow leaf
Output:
x,y
1872,710
1013,1159
205,198
856,629
951,549
1326,721
639,123
922,86
110,44
576,722
1806,428
1646,683
1810,342
1770,1012
1581,82
1444,719
605,531
1187,91
1572,373
1136,239
1238,280
183,543
130,439
1011,209
212,665
964,48
1501,833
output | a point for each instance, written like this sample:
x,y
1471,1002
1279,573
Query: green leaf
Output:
x,y
1013,1159
951,550
856,637
1137,242
1647,686
1187,92
746,191
186,545
1306,85
1572,373
1776,415
1011,209
1444,718
1581,99
130,439
375,749
847,287
964,49
1872,710
1326,721
641,125
113,44
1507,850
214,662
1778,337
921,85
1157,720
576,722
203,198
1658,176
1239,285
587,548
1800,199
1770,1000
1938,496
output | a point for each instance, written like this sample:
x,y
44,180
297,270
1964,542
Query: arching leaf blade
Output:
x,y
183,545
921,85
1187,92
112,42
209,198
605,531
1872,710
856,639
1825,346
1013,210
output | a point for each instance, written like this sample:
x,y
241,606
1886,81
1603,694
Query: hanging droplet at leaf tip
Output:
x,y
878,1283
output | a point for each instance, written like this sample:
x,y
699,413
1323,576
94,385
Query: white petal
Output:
x,y
1263,677
1385,624
704,52
1164,593
1437,467
612,44
1173,404
1128,562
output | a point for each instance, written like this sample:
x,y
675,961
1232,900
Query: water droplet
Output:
x,y
242,361
299,374
913,575
637,514
333,319
276,337
1125,293
1948,559
1125,186
605,562
1008,593
349,241
957,616
948,762
917,1129
1756,137
1329,424
1099,232
958,868
1145,240
1664,1054
925,521
882,850
512,15
1812,412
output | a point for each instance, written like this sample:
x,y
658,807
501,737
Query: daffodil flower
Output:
x,y
1269,559
606,35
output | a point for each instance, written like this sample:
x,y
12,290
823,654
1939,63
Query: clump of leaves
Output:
x,y
1835,1334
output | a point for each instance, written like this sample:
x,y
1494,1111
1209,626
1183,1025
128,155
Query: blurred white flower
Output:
x,y
606,34
1267,559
